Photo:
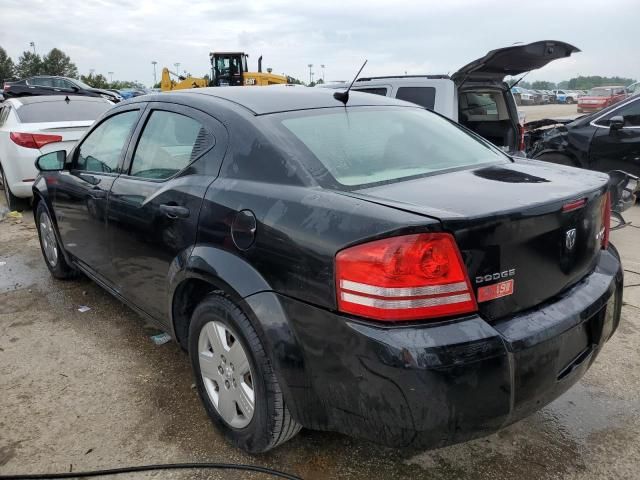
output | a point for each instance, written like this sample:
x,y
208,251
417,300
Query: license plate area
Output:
x,y
578,345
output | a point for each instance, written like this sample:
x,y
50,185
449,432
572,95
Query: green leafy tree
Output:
x,y
543,85
95,81
585,83
56,62
7,67
29,64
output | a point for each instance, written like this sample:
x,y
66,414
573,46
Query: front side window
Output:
x,y
423,96
630,112
101,150
169,142
359,146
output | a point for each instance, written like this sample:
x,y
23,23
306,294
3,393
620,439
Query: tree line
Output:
x,y
57,63
576,83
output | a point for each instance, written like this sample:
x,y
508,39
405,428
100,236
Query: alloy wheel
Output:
x,y
226,373
48,239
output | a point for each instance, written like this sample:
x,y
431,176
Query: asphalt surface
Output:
x,y
91,390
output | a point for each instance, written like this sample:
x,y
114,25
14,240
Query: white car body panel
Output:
x,y
18,162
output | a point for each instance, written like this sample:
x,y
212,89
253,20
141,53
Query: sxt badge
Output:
x,y
497,290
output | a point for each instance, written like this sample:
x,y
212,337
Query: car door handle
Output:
x,y
174,211
97,194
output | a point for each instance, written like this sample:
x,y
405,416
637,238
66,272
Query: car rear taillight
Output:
x,y
606,221
33,140
408,277
6,87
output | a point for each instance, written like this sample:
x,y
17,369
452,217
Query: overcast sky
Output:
x,y
427,36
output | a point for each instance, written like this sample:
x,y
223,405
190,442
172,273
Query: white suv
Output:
x,y
476,96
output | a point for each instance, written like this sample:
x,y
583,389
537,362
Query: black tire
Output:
x,y
569,100
13,202
272,424
557,158
60,269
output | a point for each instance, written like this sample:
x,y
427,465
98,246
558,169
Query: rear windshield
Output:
x,y
600,92
366,145
74,110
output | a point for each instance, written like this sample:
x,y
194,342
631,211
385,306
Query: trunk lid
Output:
x,y
509,223
514,60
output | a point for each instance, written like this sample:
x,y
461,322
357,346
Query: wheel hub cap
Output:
x,y
226,374
48,239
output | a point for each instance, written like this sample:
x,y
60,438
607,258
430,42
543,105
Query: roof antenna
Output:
x,y
344,96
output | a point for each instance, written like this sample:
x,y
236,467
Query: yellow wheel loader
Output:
x,y
227,69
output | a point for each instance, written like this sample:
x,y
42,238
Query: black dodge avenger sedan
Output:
x,y
369,268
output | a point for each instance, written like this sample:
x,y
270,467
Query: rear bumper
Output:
x,y
433,385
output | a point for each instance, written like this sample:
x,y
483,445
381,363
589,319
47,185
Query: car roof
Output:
x,y
265,100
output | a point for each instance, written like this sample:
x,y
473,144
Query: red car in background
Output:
x,y
601,97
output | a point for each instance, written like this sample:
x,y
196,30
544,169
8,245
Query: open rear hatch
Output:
x,y
514,60
535,228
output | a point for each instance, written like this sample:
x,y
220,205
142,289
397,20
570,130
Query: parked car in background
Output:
x,y
605,141
565,96
52,85
523,96
633,89
33,125
476,95
359,264
601,97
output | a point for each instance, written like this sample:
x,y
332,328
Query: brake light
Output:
x,y
606,221
521,144
404,278
6,87
33,140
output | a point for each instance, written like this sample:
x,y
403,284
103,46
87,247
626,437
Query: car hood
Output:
x,y
514,60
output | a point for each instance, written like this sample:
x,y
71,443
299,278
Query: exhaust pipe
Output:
x,y
260,64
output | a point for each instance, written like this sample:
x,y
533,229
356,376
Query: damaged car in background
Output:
x,y
606,141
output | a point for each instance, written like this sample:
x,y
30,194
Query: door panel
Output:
x,y
81,193
618,149
153,209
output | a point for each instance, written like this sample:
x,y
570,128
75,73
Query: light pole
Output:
x,y
154,63
110,77
33,44
177,65
310,74
322,67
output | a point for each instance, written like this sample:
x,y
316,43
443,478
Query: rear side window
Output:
x,y
375,90
423,96
169,142
360,146
100,152
62,111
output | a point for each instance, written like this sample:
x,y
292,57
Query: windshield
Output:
x,y
82,84
600,92
365,145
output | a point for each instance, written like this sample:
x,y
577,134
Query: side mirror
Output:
x,y
616,123
51,162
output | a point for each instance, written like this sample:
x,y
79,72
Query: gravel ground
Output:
x,y
538,112
88,390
